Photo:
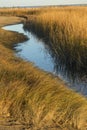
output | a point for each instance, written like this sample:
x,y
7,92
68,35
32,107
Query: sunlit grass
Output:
x,y
32,96
65,31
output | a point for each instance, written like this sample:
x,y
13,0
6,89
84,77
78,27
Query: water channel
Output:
x,y
36,51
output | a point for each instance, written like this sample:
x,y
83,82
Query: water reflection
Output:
x,y
70,57
55,59
69,61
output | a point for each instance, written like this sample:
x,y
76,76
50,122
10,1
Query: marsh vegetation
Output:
x,y
65,32
37,51
33,97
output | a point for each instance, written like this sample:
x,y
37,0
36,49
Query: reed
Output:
x,y
32,97
65,32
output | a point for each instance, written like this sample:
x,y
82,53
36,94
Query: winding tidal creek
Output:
x,y
36,51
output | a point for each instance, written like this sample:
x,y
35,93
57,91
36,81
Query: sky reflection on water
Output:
x,y
36,51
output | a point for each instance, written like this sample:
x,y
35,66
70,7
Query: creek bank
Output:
x,y
33,97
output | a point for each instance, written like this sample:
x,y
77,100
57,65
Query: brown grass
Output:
x,y
67,25
9,20
65,32
35,98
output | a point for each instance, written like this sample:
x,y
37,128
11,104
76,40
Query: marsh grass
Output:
x,y
33,97
65,32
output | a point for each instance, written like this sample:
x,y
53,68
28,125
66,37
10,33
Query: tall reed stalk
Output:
x,y
65,31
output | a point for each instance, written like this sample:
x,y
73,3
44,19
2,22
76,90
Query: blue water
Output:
x,y
36,51
33,49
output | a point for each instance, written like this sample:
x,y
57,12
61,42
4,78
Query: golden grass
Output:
x,y
65,31
67,24
9,20
33,97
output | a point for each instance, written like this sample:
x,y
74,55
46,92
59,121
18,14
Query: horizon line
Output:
x,y
21,6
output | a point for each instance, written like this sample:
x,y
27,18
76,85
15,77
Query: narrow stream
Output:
x,y
36,51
